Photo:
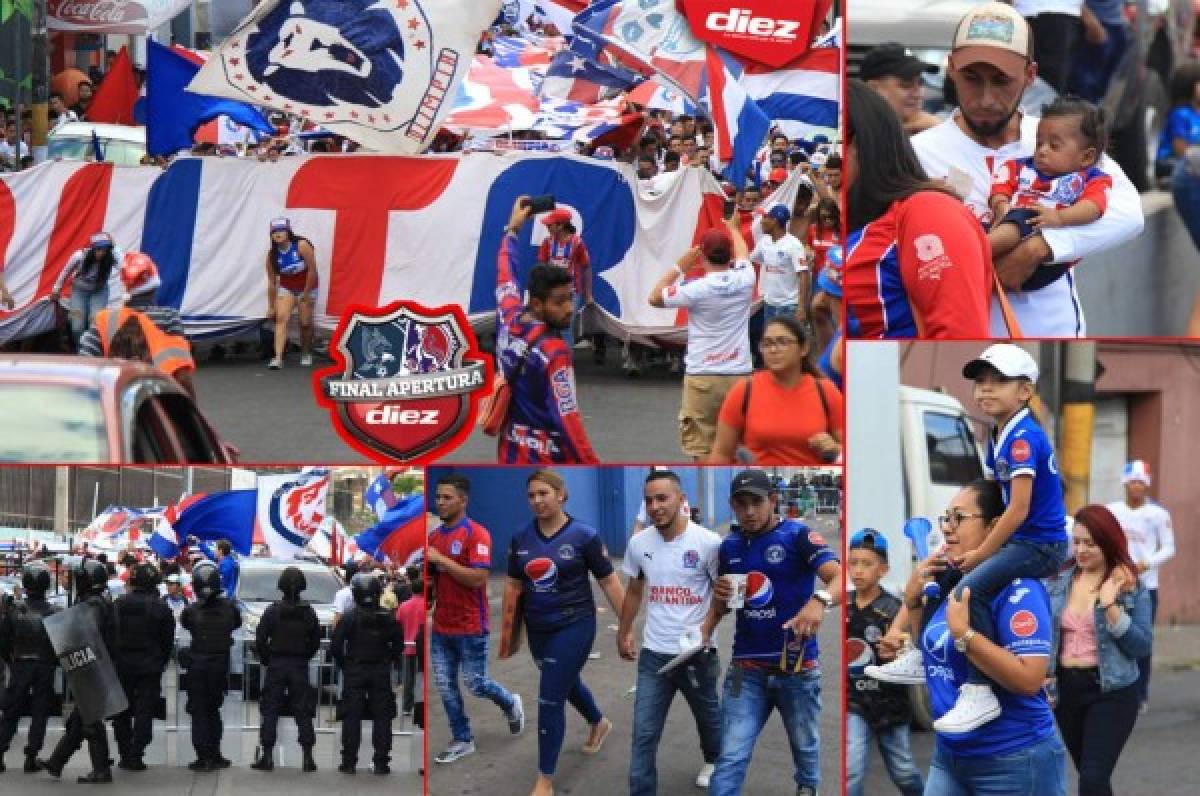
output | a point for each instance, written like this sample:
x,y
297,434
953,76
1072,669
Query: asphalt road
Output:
x,y
273,416
170,752
506,766
1159,759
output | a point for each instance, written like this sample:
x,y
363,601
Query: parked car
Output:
x,y
122,145
65,409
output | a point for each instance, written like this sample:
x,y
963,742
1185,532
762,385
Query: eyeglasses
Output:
x,y
954,519
768,343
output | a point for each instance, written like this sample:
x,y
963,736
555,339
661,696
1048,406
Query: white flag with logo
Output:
x,y
383,74
291,509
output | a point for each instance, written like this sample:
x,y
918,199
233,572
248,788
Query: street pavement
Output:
x,y
273,416
507,766
1160,758
170,752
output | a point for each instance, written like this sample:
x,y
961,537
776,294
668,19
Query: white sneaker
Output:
x,y
976,706
908,669
306,360
276,363
704,776
455,751
516,716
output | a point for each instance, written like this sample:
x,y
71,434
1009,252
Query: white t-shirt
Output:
x,y
678,581
779,261
1031,8
1151,538
946,152
718,307
342,600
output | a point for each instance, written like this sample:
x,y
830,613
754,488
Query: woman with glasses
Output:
x,y
549,561
1019,751
918,264
785,414
1102,625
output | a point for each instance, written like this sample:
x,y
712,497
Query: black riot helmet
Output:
x,y
91,578
144,577
366,590
35,579
206,580
292,582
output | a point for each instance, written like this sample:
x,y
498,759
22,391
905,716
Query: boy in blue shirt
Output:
x,y
1029,539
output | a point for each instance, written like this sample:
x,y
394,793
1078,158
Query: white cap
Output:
x,y
1136,470
1011,360
993,33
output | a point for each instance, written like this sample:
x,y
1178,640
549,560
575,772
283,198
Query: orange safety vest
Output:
x,y
169,353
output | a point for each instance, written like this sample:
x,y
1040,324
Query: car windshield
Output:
x,y
259,585
122,153
58,424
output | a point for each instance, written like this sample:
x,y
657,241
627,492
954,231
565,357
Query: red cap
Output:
x,y
559,215
717,245
778,175
138,272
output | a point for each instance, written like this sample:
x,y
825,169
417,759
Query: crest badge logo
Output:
x,y
407,380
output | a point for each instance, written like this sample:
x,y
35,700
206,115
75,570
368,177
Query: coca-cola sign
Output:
x,y
112,16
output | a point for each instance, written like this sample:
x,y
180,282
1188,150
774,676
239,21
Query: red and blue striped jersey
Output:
x,y
544,425
1025,186
922,269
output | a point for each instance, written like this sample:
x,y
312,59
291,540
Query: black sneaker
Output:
x,y
95,777
381,769
346,767
131,764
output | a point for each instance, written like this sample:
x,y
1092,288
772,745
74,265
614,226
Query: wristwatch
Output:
x,y
964,641
823,597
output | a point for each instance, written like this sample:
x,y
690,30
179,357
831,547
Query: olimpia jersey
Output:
x,y
781,567
1021,448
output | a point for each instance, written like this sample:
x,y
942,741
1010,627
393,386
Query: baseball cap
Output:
x,y
756,482
717,245
996,34
892,59
778,175
139,274
101,240
870,539
1136,470
559,215
780,213
280,223
1011,360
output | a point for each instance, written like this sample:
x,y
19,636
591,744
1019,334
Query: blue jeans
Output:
x,y
469,653
894,748
1185,189
561,655
82,309
698,683
1015,559
775,310
798,699
1039,770
1146,664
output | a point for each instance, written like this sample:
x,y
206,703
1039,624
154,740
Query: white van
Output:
x,y
124,146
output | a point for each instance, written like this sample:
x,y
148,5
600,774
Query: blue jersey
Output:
x,y
1183,122
781,567
1021,448
554,573
289,262
1024,628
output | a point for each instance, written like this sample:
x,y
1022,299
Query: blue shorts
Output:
x,y
1021,216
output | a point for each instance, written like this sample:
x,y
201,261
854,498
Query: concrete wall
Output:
x,y
1144,288
1160,382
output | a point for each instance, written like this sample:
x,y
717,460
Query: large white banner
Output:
x,y
424,228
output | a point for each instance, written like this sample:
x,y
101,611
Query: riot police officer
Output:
x,y
145,638
211,620
91,582
287,638
366,643
26,647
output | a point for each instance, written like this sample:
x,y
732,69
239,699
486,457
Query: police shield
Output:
x,y
85,660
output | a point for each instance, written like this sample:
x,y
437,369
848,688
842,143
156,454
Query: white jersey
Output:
x,y
946,152
718,307
1151,537
779,262
343,599
678,579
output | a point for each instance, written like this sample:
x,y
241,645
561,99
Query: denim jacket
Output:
x,y
1121,645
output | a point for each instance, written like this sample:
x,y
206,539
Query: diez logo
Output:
x,y
407,381
771,32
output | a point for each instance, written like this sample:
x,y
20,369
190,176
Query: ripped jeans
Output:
x,y
470,654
